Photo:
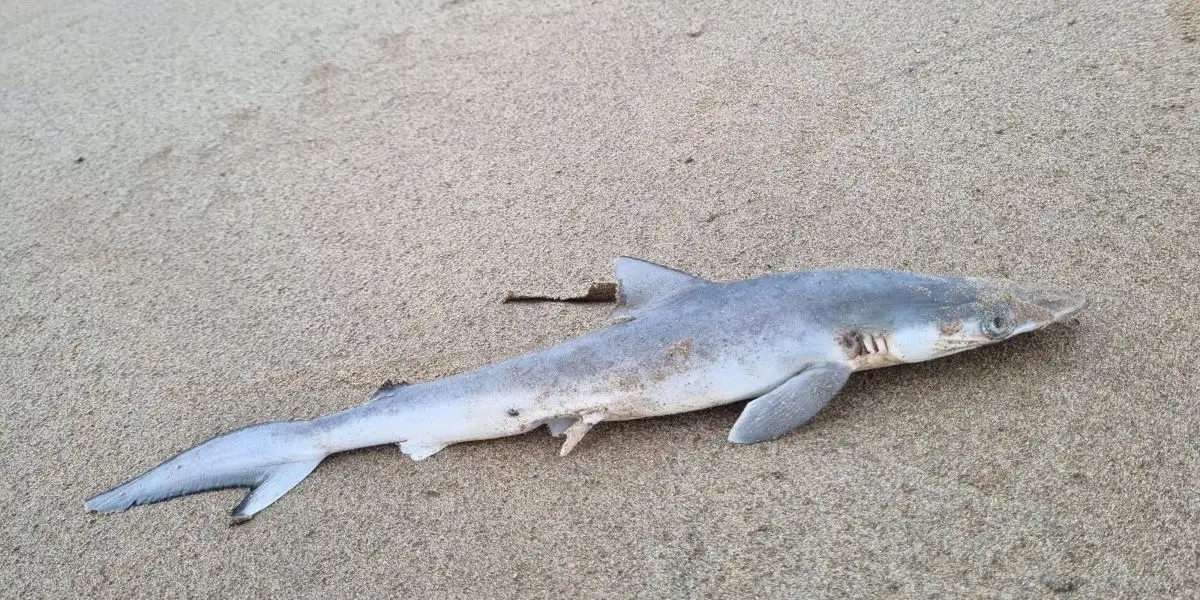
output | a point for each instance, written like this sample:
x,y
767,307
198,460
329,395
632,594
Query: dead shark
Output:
x,y
787,342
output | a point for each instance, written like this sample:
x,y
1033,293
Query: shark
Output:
x,y
784,342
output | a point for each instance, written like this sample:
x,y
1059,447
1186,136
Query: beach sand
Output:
x,y
227,212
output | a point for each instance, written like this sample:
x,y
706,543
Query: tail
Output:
x,y
270,459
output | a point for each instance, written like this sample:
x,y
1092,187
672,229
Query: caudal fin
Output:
x,y
269,458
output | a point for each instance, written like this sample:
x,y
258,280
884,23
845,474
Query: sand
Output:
x,y
225,212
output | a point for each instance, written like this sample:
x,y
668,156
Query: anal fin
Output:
x,y
420,450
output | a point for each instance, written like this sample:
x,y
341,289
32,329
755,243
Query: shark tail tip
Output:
x,y
270,459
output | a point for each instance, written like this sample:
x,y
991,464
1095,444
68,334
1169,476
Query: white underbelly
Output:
x,y
628,398
667,386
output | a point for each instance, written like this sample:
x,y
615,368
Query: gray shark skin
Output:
x,y
678,343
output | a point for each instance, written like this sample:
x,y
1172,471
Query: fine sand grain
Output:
x,y
216,213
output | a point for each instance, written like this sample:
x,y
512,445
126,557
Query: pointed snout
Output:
x,y
1055,304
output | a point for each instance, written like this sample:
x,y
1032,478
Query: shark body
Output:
x,y
678,343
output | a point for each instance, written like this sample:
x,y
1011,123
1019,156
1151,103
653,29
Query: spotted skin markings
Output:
x,y
681,349
949,329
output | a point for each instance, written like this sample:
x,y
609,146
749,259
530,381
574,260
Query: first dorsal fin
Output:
x,y
641,285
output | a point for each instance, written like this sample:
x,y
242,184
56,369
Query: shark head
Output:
x,y
924,317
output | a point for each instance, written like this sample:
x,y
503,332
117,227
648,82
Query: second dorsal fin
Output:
x,y
641,285
387,389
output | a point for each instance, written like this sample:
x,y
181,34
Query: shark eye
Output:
x,y
998,325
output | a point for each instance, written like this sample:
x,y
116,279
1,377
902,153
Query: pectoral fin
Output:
x,y
790,405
